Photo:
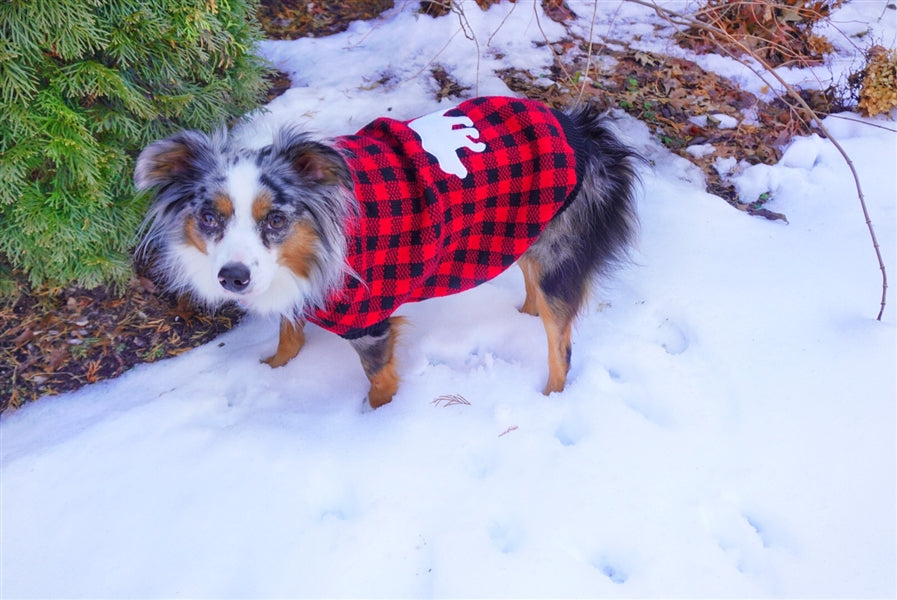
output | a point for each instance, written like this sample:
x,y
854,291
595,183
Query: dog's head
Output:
x,y
261,227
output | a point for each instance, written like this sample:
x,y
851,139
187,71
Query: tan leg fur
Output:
x,y
385,382
557,328
291,340
531,281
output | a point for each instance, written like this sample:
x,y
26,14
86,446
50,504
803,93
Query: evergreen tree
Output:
x,y
84,85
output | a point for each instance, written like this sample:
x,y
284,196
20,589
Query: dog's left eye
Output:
x,y
275,221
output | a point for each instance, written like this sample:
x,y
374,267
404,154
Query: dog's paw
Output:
x,y
377,398
276,360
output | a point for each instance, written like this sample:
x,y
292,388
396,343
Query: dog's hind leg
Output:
x,y
291,341
557,299
557,317
377,352
585,240
530,280
559,349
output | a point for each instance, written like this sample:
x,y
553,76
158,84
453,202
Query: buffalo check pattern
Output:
x,y
424,233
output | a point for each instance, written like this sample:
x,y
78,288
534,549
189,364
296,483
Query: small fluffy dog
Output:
x,y
342,233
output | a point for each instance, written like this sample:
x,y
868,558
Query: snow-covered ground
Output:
x,y
728,428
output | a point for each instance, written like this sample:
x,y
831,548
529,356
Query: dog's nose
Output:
x,y
234,277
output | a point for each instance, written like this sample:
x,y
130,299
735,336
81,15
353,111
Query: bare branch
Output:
x,y
557,57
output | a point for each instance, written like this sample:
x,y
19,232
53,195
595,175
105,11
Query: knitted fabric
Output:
x,y
447,202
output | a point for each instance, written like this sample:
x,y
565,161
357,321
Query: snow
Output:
x,y
728,428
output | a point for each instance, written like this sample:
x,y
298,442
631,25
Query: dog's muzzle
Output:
x,y
234,277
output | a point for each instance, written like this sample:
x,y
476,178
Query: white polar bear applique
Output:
x,y
440,138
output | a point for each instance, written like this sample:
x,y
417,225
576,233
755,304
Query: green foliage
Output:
x,y
84,85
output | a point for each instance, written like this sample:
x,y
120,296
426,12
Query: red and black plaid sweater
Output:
x,y
447,202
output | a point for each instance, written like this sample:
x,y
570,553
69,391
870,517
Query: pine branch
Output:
x,y
85,85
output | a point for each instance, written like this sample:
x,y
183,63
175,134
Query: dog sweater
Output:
x,y
447,201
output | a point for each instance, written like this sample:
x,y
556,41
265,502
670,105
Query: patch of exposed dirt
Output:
x,y
58,342
291,19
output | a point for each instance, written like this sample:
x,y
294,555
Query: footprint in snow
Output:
x,y
506,536
672,338
747,539
610,569
570,431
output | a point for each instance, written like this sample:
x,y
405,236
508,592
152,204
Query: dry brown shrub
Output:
x,y
877,82
780,32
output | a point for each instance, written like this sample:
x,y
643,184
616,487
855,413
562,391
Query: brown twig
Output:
x,y
582,88
718,35
458,9
507,431
557,57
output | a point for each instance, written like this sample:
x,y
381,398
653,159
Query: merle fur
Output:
x,y
309,181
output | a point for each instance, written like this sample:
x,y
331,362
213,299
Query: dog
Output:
x,y
342,232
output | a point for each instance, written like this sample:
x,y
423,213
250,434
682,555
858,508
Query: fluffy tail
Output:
x,y
606,201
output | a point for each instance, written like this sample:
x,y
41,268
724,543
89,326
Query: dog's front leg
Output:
x,y
376,350
291,340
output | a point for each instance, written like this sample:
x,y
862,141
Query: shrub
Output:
x,y
876,84
85,85
778,31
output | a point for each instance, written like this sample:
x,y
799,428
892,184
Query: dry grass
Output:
x,y
450,400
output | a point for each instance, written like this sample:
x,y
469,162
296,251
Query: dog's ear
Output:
x,y
181,155
311,160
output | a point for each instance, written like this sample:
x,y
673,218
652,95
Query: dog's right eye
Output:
x,y
275,221
208,220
